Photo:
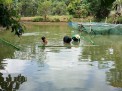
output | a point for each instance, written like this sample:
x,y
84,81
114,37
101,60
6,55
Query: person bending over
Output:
x,y
67,39
76,38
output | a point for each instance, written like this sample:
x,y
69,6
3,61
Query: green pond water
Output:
x,y
83,67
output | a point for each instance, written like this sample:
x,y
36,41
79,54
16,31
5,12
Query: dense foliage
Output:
x,y
77,8
104,10
9,17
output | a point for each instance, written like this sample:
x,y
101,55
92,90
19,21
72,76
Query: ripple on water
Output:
x,y
31,34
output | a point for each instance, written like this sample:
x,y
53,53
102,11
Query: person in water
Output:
x,y
67,39
44,40
76,38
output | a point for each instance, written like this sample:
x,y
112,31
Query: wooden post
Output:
x,y
90,25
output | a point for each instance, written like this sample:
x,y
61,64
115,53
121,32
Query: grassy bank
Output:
x,y
48,19
64,18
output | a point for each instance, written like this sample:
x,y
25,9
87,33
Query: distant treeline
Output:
x,y
99,9
77,8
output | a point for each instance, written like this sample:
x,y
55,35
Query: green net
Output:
x,y
3,41
97,28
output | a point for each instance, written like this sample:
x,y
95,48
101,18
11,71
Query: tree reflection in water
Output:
x,y
114,77
106,57
33,53
11,84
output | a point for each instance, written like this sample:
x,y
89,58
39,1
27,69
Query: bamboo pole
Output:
x,y
88,40
67,46
90,26
9,44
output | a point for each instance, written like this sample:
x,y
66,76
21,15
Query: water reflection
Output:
x,y
114,77
37,52
31,53
67,45
97,53
102,57
10,83
105,57
4,53
84,68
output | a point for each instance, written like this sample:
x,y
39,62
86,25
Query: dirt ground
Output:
x,y
44,23
28,20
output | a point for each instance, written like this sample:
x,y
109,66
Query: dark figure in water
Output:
x,y
44,40
67,39
76,38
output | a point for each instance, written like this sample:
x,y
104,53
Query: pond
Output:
x,y
83,67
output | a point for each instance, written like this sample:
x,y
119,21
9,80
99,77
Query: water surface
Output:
x,y
83,67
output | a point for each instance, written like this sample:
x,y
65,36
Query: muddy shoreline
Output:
x,y
44,23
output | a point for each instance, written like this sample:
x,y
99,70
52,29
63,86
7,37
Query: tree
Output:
x,y
28,9
9,17
59,8
100,8
104,8
45,8
5,1
117,5
73,5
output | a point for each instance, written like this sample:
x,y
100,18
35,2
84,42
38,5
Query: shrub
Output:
x,y
112,20
37,19
69,19
56,20
120,20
